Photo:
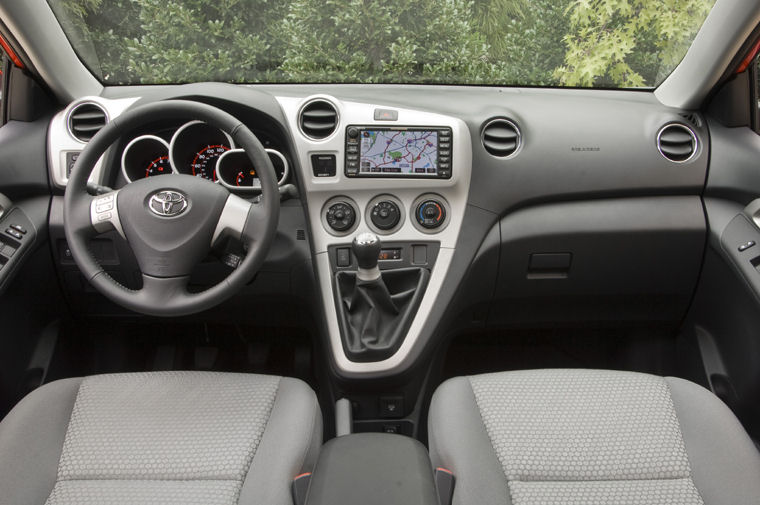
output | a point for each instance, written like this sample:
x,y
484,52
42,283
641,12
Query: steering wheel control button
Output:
x,y
430,214
13,233
341,216
385,215
323,165
168,203
746,246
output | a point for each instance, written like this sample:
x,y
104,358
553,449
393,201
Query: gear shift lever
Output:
x,y
375,309
366,248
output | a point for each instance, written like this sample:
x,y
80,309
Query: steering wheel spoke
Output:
x,y
104,213
233,219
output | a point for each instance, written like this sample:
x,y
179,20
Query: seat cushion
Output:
x,y
164,437
591,437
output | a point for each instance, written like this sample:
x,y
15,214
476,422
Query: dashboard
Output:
x,y
517,182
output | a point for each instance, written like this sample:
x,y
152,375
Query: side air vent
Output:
x,y
677,142
85,120
501,137
318,119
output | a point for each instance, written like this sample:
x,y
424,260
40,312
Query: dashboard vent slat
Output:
x,y
318,119
501,137
677,142
85,120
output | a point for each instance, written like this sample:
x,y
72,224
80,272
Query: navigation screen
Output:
x,y
404,152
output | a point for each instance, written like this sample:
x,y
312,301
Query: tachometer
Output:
x,y
235,170
145,156
159,166
196,147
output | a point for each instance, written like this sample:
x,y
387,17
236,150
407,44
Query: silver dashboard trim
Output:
x,y
129,146
60,142
320,190
248,189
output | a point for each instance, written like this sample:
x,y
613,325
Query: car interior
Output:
x,y
338,289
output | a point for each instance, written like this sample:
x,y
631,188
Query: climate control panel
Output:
x,y
340,215
385,214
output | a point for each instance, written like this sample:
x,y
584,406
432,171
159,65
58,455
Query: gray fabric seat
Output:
x,y
166,437
566,437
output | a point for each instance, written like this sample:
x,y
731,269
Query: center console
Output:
x,y
401,176
372,469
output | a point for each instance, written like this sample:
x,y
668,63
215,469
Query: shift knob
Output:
x,y
366,248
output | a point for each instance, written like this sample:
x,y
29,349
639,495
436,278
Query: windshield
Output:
x,y
584,43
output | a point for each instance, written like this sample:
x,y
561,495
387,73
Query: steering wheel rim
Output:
x,y
164,291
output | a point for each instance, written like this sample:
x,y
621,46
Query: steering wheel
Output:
x,y
170,221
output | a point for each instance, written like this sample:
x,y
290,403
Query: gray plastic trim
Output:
x,y
135,141
61,142
726,29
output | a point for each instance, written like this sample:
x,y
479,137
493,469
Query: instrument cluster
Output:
x,y
199,149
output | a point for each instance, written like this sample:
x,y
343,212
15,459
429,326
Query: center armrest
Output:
x,y
373,469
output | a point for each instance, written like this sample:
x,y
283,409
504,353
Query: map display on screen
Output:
x,y
411,152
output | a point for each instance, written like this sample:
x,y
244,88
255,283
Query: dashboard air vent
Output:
x,y
318,119
85,120
501,137
677,142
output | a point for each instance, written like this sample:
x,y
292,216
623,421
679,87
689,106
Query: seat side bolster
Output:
x,y
725,463
31,441
459,442
289,446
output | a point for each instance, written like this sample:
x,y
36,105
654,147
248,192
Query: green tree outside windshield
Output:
x,y
607,43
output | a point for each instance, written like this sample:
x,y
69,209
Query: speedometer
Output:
x,y
204,163
196,147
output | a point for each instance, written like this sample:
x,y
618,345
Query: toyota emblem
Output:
x,y
167,203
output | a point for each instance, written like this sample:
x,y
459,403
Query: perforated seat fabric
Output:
x,y
566,437
160,438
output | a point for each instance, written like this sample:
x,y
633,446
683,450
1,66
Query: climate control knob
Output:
x,y
385,215
430,214
340,216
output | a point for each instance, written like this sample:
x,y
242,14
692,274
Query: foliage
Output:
x,y
524,42
607,35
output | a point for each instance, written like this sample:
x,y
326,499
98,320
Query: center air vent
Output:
x,y
677,142
318,119
85,120
501,137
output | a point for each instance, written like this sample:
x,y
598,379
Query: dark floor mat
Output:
x,y
492,351
94,347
